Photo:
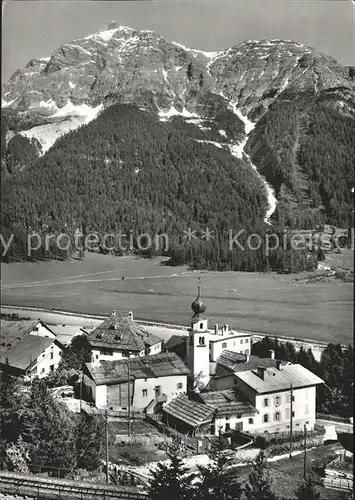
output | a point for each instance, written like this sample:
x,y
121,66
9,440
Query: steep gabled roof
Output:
x,y
122,333
22,354
164,364
279,380
189,411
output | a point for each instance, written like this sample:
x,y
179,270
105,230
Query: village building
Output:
x,y
141,384
233,412
222,372
209,413
34,356
121,337
12,332
204,346
281,394
189,416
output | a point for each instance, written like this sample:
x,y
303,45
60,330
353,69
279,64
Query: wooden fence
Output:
x,y
145,439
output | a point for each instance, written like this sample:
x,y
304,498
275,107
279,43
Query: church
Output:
x,y
205,346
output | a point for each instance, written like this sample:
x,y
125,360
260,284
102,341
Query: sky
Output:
x,y
33,28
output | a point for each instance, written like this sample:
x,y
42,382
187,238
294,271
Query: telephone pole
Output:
x,y
81,391
129,396
106,419
291,422
305,452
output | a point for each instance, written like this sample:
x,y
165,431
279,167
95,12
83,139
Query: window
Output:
x,y
157,390
97,356
306,395
239,416
201,340
224,345
306,410
235,381
201,326
250,421
266,402
246,341
228,426
287,413
241,341
42,371
246,351
289,398
233,344
277,416
51,355
293,414
297,425
277,400
179,386
145,393
265,418
51,368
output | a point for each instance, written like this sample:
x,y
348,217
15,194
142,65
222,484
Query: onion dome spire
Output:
x,y
198,306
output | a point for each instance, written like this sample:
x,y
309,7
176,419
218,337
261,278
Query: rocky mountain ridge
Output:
x,y
270,104
123,65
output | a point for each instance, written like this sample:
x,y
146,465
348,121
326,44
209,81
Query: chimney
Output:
x,y
216,329
227,329
278,364
130,315
261,372
272,354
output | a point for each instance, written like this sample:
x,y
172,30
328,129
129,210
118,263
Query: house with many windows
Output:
x,y
121,337
280,395
141,383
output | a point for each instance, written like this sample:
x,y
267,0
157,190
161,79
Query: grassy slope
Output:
x,y
267,303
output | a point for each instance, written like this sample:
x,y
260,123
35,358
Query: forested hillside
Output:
x,y
124,171
307,154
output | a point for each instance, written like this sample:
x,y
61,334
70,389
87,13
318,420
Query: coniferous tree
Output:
x,y
307,490
89,441
258,486
215,480
168,481
49,430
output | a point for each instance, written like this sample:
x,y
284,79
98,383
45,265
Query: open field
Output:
x,y
258,302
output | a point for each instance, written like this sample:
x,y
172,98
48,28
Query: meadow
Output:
x,y
259,302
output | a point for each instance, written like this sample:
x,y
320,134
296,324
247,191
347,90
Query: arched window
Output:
x,y
201,326
202,340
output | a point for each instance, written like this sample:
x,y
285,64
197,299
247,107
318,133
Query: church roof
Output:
x,y
122,333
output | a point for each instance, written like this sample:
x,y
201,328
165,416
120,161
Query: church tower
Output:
x,y
198,344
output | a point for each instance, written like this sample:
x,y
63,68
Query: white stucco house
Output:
x,y
143,383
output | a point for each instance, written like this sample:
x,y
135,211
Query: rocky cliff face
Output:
x,y
125,65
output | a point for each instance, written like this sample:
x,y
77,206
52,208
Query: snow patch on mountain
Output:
x,y
49,133
6,104
166,115
237,150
